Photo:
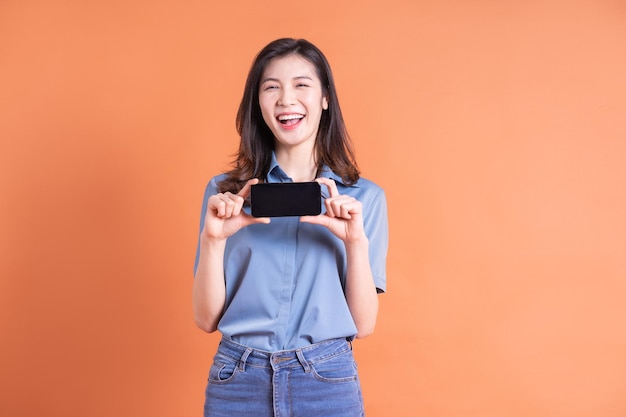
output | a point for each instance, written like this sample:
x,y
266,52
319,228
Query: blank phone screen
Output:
x,y
286,199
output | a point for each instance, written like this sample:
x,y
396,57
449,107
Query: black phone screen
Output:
x,y
286,199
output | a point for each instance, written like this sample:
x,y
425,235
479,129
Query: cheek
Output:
x,y
267,112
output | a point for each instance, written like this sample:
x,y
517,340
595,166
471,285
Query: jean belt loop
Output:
x,y
303,361
244,358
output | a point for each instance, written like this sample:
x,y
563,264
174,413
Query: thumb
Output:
x,y
320,219
248,220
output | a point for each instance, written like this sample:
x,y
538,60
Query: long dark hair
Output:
x,y
332,145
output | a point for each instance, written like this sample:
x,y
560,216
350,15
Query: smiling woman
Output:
x,y
292,102
333,147
289,294
495,127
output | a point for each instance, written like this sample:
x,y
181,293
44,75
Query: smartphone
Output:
x,y
286,199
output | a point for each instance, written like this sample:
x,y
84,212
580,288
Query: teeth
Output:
x,y
290,117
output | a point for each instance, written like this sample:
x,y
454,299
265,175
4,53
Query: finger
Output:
x,y
229,204
216,205
350,209
238,203
245,191
254,220
346,207
330,211
330,185
320,219
333,205
222,204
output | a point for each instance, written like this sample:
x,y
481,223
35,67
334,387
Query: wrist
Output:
x,y
360,243
210,242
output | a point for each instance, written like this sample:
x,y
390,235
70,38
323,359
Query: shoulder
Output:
x,y
365,190
369,185
212,186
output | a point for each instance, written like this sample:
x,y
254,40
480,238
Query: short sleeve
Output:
x,y
210,189
377,231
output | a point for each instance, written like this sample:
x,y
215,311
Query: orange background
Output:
x,y
497,128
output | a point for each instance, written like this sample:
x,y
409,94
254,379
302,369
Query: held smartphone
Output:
x,y
286,199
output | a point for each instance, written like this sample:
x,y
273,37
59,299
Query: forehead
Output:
x,y
288,67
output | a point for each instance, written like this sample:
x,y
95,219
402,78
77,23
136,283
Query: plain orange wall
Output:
x,y
497,128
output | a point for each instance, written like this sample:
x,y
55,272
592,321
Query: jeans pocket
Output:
x,y
221,373
341,368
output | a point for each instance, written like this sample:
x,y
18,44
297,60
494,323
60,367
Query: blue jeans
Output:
x,y
317,380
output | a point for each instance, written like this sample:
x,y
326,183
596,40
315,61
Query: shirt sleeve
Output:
x,y
377,231
210,189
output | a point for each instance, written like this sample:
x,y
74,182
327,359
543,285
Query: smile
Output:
x,y
289,120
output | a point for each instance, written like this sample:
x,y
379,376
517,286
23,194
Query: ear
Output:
x,y
324,103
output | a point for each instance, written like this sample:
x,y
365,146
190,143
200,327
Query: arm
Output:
x,y
344,218
209,291
223,218
360,289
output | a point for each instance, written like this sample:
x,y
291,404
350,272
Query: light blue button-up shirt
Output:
x,y
285,280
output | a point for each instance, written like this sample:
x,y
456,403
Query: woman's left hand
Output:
x,y
343,217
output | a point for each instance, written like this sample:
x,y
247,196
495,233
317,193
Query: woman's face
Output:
x,y
292,101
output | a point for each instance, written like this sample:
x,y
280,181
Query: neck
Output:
x,y
300,166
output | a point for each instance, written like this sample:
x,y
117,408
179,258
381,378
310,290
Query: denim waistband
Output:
x,y
247,356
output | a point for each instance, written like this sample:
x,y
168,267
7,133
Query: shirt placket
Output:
x,y
288,279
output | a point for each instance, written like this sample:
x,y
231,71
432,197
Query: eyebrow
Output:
x,y
300,77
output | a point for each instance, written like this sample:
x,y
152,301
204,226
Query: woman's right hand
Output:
x,y
225,215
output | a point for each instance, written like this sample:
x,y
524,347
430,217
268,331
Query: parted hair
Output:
x,y
333,146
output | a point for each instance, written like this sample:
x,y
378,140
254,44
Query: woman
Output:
x,y
289,294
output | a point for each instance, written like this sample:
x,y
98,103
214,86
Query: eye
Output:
x,y
301,85
269,87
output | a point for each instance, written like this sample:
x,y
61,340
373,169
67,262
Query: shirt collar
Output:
x,y
276,174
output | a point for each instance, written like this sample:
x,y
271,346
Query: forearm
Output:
x,y
209,291
360,288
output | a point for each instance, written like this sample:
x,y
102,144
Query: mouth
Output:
x,y
288,120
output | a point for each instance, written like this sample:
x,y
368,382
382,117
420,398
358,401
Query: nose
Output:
x,y
287,97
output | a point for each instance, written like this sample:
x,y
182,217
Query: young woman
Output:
x,y
289,294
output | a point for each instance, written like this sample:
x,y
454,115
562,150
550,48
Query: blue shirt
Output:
x,y
285,280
